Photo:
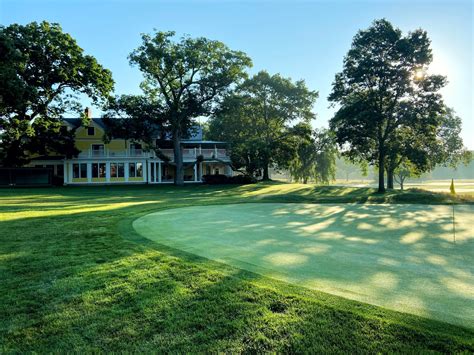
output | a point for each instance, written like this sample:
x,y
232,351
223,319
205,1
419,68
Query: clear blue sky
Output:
x,y
299,39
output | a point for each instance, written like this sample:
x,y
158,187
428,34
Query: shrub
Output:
x,y
242,179
223,179
215,179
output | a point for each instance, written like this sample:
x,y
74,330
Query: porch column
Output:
x,y
200,171
195,173
69,172
64,173
107,171
89,172
159,171
127,169
148,165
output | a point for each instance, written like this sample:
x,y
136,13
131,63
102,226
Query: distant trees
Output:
x,y
185,79
389,105
41,70
256,118
315,155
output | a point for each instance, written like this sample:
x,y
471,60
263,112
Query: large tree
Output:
x,y
256,117
186,78
42,69
384,93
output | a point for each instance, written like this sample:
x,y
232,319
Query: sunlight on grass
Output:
x,y
371,257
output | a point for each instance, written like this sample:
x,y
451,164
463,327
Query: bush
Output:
x,y
215,179
223,179
242,179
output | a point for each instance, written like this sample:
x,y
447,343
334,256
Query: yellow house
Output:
x,y
124,162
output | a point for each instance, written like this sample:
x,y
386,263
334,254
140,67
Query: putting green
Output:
x,y
400,257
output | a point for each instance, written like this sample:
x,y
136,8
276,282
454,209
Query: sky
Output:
x,y
298,39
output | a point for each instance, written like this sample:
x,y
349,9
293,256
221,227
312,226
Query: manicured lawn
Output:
x,y
75,276
399,256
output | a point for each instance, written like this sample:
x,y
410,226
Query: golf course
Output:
x,y
401,257
268,267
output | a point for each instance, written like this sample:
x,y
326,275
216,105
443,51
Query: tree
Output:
x,y
134,118
186,79
256,118
383,88
405,170
42,69
315,157
444,147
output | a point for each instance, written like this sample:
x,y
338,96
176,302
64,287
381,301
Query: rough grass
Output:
x,y
76,277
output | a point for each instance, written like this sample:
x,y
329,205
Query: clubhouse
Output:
x,y
123,162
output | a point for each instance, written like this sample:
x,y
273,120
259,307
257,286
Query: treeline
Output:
x,y
389,111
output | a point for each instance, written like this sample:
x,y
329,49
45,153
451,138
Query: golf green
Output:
x,y
401,257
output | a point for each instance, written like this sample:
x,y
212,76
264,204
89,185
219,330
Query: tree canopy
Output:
x,y
315,155
386,97
185,79
42,69
255,120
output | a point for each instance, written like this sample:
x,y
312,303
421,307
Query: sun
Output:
x,y
419,74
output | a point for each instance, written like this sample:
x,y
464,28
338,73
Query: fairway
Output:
x,y
401,257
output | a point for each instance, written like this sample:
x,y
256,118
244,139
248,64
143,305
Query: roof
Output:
x,y
195,134
76,122
201,141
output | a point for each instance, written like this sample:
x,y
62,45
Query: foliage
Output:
x,y
135,118
345,169
220,179
444,148
255,121
450,150
186,79
42,69
404,170
315,157
384,100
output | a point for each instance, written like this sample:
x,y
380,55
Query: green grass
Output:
x,y
75,276
402,257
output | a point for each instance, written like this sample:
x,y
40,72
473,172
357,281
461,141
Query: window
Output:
x,y
117,170
135,170
98,150
131,169
90,131
98,170
79,171
83,170
102,170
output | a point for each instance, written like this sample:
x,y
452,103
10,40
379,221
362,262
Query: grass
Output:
x,y
401,257
76,277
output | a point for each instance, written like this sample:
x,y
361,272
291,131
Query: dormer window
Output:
x,y
90,131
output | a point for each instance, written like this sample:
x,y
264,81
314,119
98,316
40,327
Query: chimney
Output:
x,y
88,112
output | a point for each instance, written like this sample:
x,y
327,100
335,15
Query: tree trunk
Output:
x,y
178,160
390,178
266,176
381,171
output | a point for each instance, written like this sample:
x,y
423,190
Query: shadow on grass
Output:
x,y
71,282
